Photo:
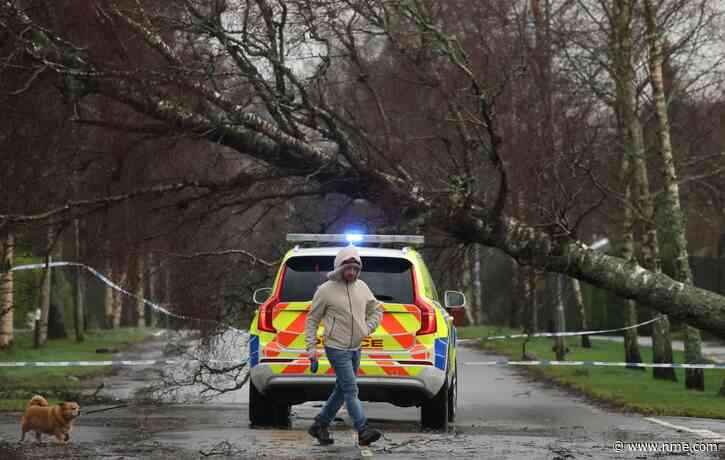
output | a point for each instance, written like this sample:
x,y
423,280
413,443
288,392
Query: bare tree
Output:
x,y
672,211
7,249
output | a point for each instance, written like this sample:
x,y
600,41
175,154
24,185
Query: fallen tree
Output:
x,y
294,124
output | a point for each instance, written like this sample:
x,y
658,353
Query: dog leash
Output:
x,y
105,409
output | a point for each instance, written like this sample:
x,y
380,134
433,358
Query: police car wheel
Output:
x,y
260,410
263,412
434,412
453,398
282,414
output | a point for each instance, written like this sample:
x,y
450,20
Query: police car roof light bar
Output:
x,y
354,238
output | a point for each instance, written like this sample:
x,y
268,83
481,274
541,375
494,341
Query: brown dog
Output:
x,y
56,420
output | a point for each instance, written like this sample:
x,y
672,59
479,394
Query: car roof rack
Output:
x,y
355,238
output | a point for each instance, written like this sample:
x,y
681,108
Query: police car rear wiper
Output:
x,y
384,297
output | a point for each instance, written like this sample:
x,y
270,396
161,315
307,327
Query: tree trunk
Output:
x,y
56,313
583,310
650,259
662,349
626,252
672,210
513,314
118,298
478,311
629,128
140,305
153,289
42,335
533,279
167,295
79,310
526,298
721,261
555,300
631,344
117,311
108,298
468,285
7,251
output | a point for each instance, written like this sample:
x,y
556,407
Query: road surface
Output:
x,y
502,415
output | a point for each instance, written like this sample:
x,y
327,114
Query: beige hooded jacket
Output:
x,y
349,311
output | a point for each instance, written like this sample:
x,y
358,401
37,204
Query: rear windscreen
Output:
x,y
388,277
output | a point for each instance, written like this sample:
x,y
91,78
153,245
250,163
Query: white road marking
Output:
x,y
707,434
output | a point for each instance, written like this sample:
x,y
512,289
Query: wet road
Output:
x,y
501,415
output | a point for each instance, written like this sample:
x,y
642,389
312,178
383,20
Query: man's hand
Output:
x,y
314,363
313,354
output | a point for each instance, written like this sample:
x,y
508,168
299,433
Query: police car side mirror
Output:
x,y
454,300
261,295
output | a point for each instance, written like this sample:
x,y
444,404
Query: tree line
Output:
x,y
172,130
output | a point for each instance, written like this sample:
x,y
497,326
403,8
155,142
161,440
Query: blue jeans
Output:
x,y
346,364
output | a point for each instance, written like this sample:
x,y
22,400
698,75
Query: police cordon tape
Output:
x,y
568,334
117,363
115,286
544,362
500,362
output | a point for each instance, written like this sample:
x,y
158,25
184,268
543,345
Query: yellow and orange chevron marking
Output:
x,y
396,331
394,340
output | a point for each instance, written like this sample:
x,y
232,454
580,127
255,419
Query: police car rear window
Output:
x,y
388,277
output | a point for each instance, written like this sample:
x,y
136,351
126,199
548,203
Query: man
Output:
x,y
349,313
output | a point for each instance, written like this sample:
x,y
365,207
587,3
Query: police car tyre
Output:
x,y
453,397
434,412
263,412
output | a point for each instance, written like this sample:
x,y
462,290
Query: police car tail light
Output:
x,y
266,311
427,311
266,315
427,317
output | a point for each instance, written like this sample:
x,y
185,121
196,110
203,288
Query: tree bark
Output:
x,y
478,313
721,260
650,259
583,310
79,310
168,295
672,210
56,313
629,129
533,281
468,285
153,289
108,302
140,305
559,315
42,335
7,251
526,299
117,312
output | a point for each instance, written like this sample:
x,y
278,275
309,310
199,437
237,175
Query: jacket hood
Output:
x,y
348,252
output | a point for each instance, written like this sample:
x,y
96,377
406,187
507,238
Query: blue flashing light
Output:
x,y
353,237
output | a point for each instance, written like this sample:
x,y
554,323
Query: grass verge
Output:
x,y
17,385
626,389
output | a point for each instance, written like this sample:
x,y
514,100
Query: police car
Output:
x,y
409,360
